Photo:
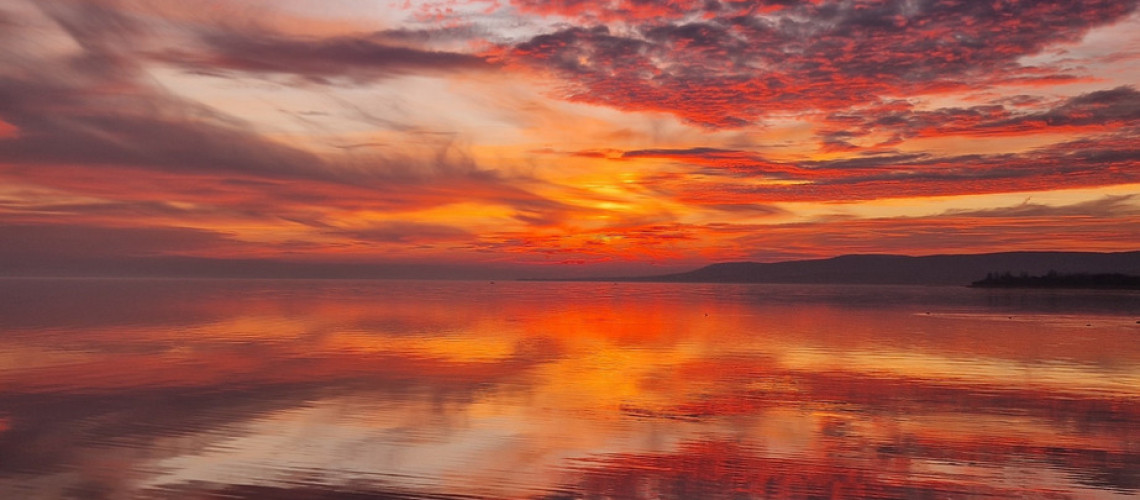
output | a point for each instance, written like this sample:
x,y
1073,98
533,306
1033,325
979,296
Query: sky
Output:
x,y
475,138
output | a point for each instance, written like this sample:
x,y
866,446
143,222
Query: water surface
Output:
x,y
389,389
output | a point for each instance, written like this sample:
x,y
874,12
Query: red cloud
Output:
x,y
651,10
1100,111
1098,161
729,67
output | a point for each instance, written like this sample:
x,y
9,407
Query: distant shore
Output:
x,y
1113,281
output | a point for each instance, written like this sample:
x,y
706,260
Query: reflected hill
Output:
x,y
905,270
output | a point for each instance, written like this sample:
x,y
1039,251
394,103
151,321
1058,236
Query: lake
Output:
x,y
137,388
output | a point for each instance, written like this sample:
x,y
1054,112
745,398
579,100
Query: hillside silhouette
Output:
x,y
901,269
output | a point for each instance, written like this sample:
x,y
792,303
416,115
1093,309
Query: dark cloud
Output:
x,y
460,32
65,115
75,249
1094,111
1110,159
59,126
406,232
46,210
602,153
649,10
699,152
31,243
359,59
722,162
737,63
1115,107
32,206
939,234
95,108
750,209
102,31
928,175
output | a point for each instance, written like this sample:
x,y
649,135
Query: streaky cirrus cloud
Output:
x,y
91,122
1108,207
355,58
1101,160
1104,224
94,107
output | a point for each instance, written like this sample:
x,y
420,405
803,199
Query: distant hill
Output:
x,y
901,269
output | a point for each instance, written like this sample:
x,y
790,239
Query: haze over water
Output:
x,y
436,389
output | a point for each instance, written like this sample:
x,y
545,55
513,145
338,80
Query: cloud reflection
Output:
x,y
534,390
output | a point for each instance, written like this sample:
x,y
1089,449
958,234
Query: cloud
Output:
x,y
95,112
93,123
1106,207
750,209
699,152
1099,111
32,243
95,108
724,65
155,132
406,233
356,58
1104,225
161,136
1109,159
610,10
722,162
89,249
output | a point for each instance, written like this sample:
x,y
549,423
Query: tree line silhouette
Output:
x,y
1053,279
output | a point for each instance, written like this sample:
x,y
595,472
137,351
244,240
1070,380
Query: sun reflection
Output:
x,y
594,388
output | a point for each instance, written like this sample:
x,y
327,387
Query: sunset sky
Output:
x,y
477,138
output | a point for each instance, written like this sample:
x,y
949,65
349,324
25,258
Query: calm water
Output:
x,y
441,390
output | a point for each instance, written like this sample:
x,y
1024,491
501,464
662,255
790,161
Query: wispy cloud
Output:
x,y
92,123
319,60
1102,160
